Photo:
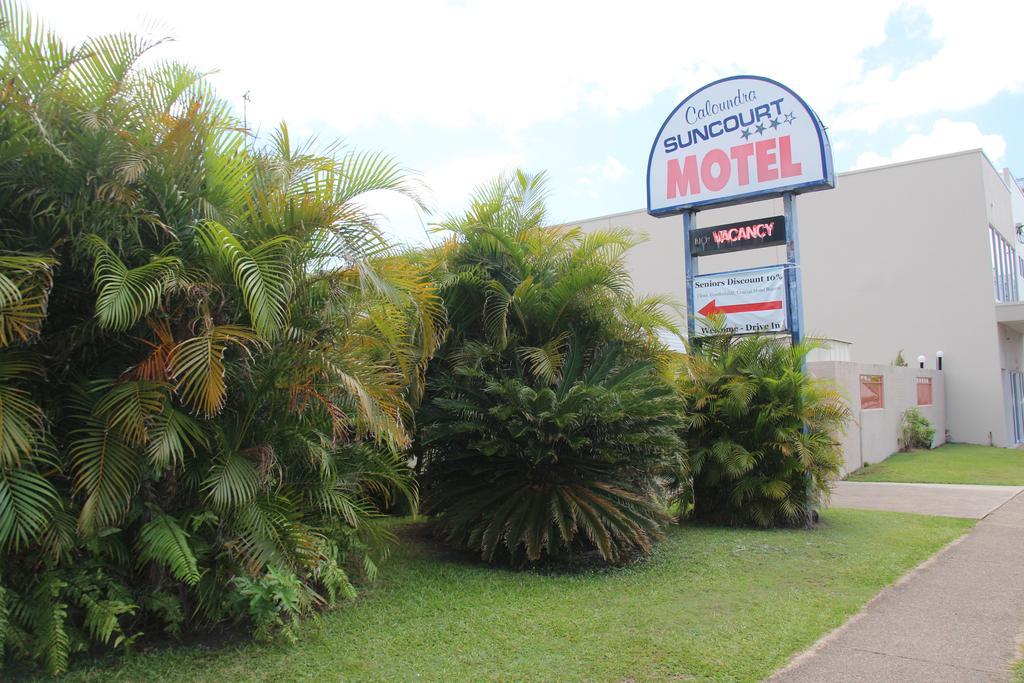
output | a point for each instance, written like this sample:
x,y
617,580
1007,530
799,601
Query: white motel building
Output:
x,y
919,258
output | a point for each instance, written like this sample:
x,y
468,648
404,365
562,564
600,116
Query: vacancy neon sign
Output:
x,y
735,140
760,232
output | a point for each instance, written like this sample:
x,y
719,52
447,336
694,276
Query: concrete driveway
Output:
x,y
955,618
945,500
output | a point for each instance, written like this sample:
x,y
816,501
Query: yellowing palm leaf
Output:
x,y
197,366
20,417
25,282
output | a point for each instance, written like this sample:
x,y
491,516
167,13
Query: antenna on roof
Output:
x,y
245,108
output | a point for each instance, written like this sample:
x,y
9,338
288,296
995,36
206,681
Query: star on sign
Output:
x,y
745,133
790,117
760,128
775,123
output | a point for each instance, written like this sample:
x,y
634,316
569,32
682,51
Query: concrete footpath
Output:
x,y
957,617
944,500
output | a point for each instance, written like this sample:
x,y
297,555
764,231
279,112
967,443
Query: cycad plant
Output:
x,y
526,471
548,430
761,432
207,352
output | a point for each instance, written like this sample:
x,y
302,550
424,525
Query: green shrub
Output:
x,y
205,350
524,471
272,602
915,431
761,432
547,430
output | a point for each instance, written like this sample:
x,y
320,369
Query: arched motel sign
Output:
x,y
738,140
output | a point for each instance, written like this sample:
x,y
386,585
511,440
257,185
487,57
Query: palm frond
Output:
x,y
129,407
172,435
107,472
197,366
21,418
27,502
126,295
232,482
260,273
25,283
162,541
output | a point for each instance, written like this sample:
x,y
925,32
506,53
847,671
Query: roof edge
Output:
x,y
895,164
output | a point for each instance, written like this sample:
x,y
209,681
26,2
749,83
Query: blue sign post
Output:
x,y
689,219
794,281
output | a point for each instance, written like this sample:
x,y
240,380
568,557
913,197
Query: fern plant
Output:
x,y
273,601
761,432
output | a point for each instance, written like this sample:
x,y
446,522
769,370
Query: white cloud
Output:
x,y
450,186
611,170
514,65
614,170
974,64
946,136
499,68
454,181
398,216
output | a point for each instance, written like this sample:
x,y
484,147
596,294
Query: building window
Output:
x,y
924,391
1004,267
872,392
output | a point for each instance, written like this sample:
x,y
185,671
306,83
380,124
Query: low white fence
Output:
x,y
878,395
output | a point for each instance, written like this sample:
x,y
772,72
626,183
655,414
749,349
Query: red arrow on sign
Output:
x,y
712,309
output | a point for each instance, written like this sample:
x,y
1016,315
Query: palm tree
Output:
x,y
207,349
514,283
761,432
546,430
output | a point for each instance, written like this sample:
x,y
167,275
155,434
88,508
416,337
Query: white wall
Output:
x,y
873,435
895,257
831,349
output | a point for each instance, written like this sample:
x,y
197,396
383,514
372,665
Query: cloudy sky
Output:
x,y
459,91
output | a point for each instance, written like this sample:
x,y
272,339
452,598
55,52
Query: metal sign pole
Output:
x,y
796,302
689,220
796,312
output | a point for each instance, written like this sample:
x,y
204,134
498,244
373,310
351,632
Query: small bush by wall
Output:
x,y
915,431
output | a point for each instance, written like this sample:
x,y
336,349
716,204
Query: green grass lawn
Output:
x,y
950,464
712,604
